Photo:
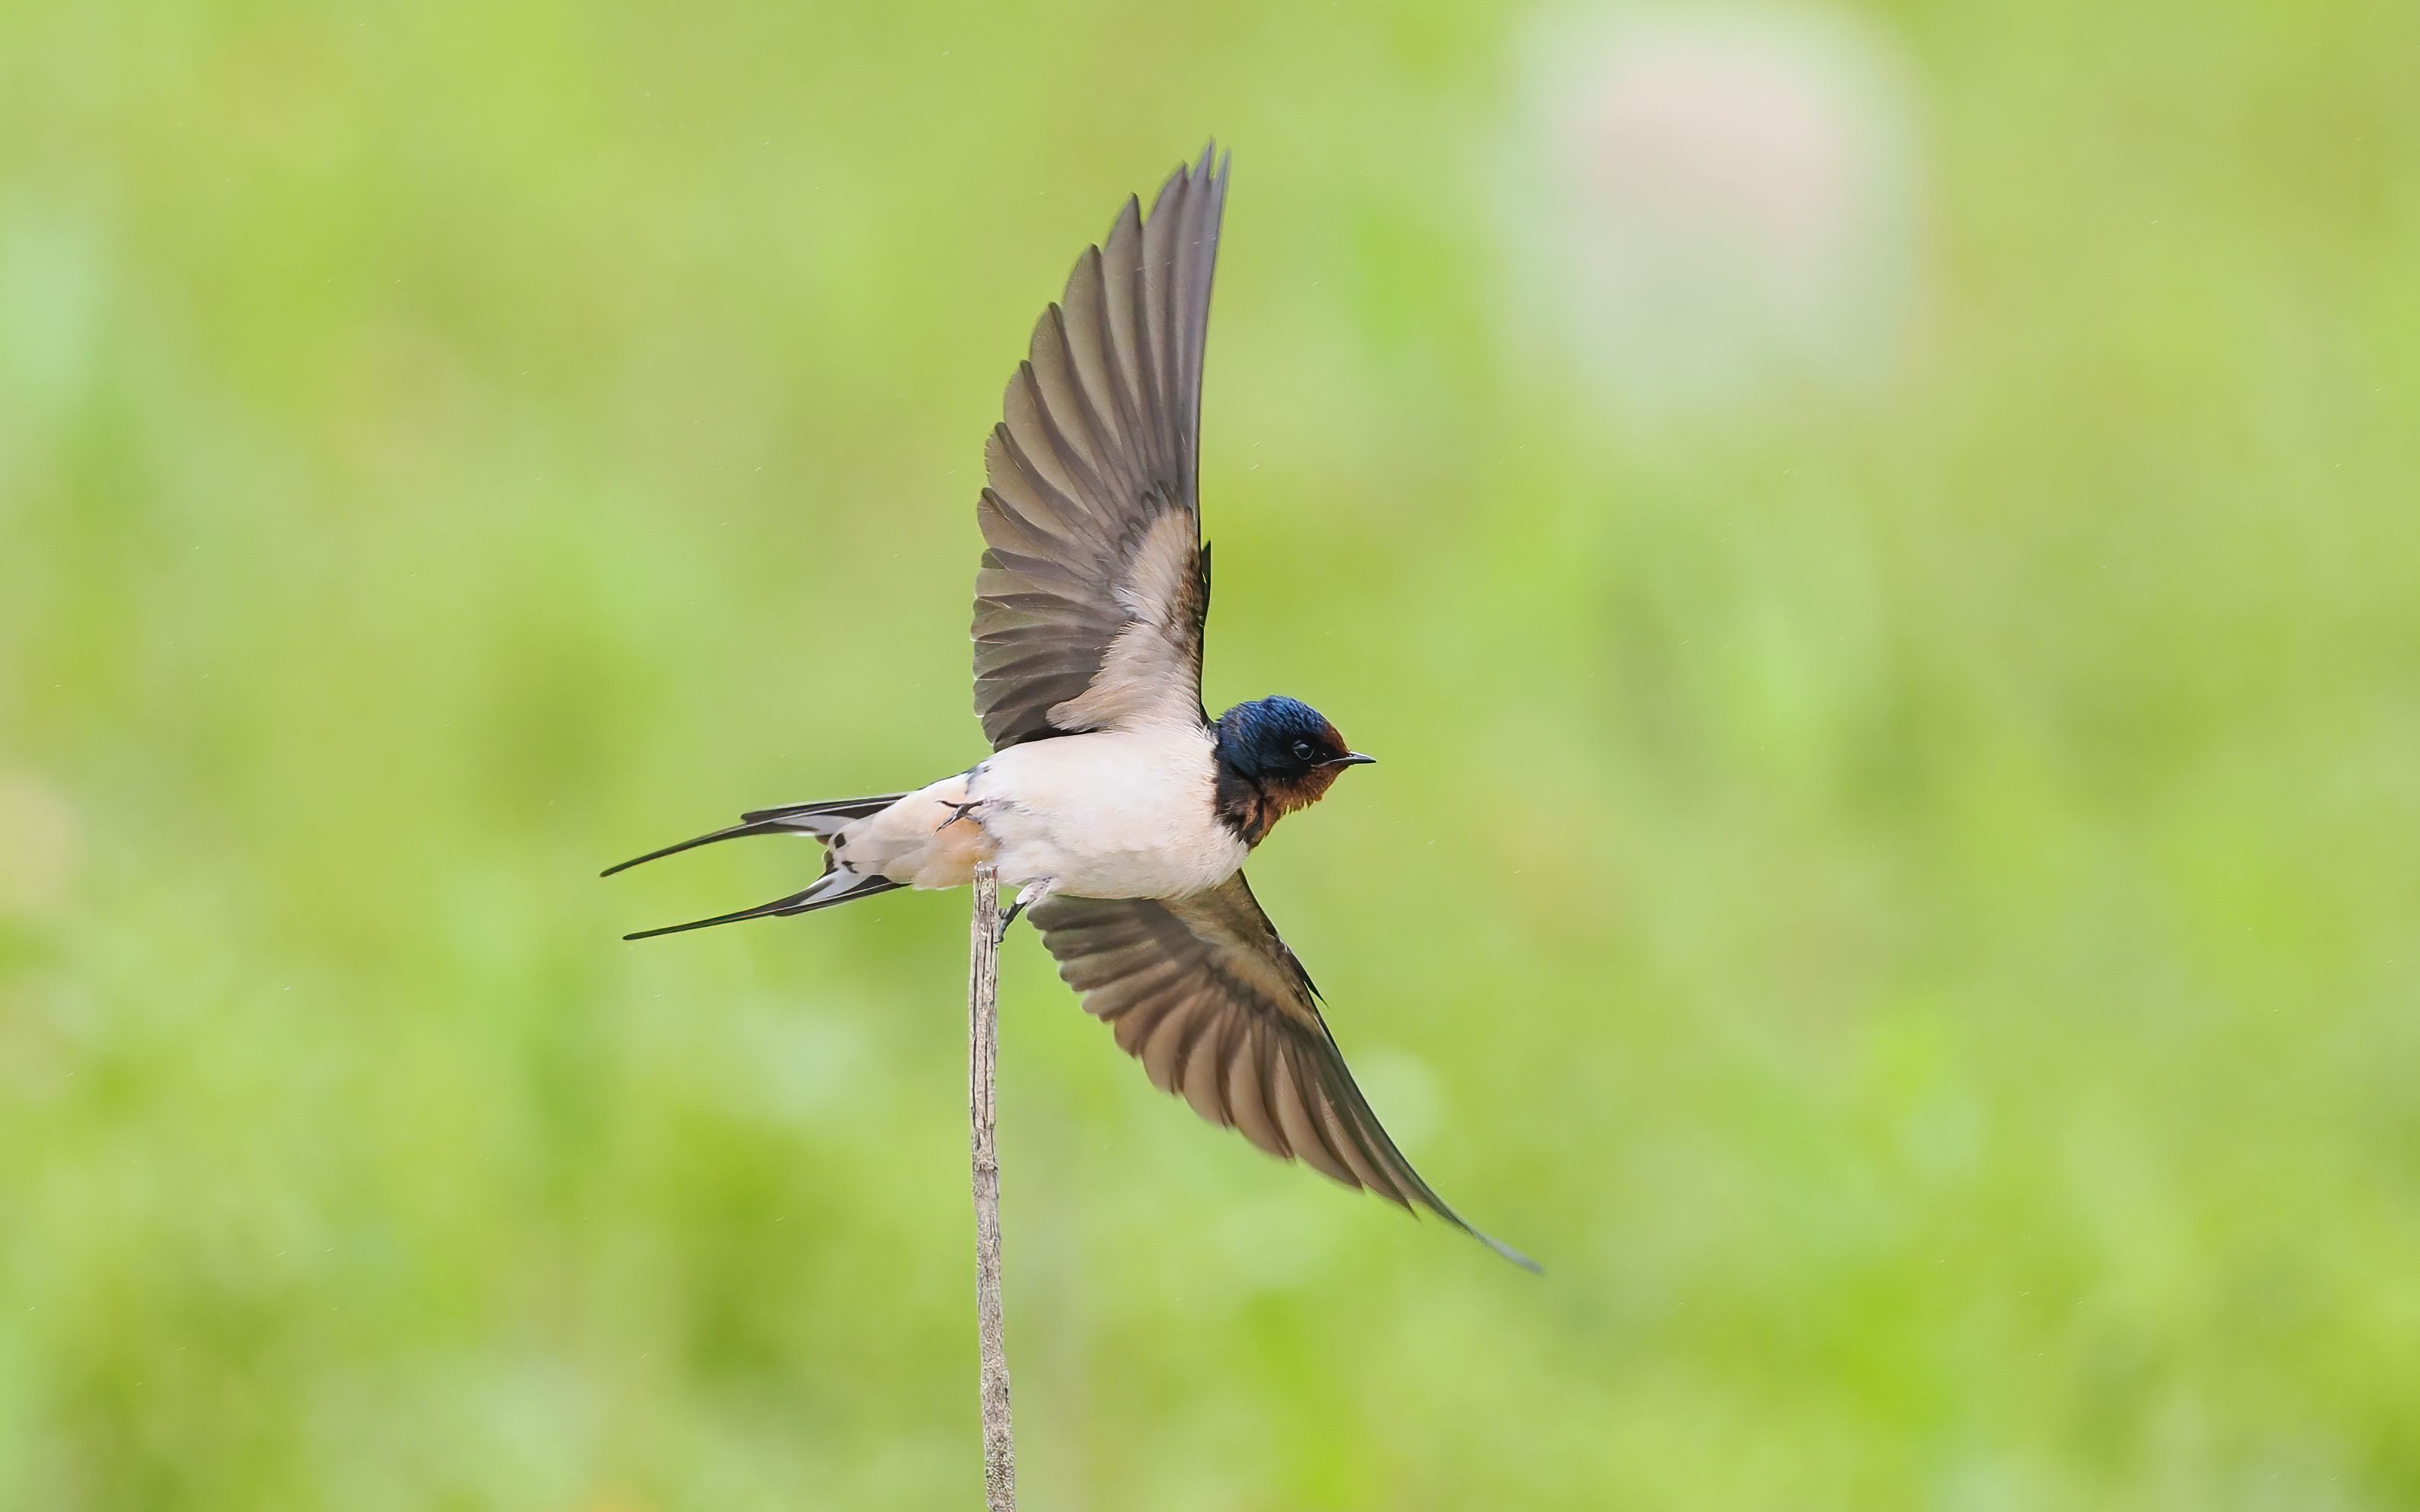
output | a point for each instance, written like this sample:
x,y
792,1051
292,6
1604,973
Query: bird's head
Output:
x,y
1277,755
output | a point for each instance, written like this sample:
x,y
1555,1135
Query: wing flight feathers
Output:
x,y
1202,991
1090,603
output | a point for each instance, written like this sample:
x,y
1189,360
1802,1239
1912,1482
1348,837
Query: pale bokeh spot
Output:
x,y
1705,202
40,841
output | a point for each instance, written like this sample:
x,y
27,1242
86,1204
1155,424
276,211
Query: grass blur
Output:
x,y
1903,894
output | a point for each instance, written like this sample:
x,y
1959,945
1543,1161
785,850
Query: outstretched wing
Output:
x,y
1089,604
1202,991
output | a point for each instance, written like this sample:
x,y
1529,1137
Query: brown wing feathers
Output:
x,y
1097,448
1202,990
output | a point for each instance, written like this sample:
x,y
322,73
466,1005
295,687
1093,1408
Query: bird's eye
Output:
x,y
1302,750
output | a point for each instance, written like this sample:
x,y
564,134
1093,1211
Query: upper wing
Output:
x,y
1090,603
1202,991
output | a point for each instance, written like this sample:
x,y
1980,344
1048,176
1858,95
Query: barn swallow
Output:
x,y
1121,811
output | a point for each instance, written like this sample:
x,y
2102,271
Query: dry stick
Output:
x,y
983,1055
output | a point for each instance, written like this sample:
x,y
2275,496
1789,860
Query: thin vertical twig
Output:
x,y
983,1055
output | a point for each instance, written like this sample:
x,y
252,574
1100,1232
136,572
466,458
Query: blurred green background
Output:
x,y
1894,874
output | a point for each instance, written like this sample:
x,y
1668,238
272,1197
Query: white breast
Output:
x,y
1128,814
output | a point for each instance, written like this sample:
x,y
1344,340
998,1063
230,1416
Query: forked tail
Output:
x,y
820,820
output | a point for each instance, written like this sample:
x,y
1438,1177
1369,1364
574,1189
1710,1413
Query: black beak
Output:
x,y
1354,757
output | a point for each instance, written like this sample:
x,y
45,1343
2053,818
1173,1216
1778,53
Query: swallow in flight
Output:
x,y
1117,807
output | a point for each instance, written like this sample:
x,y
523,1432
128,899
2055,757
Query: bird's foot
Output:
x,y
957,811
1027,896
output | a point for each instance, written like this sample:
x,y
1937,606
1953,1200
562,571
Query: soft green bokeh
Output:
x,y
1905,899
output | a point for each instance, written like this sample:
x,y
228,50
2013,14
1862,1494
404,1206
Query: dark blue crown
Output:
x,y
1258,738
